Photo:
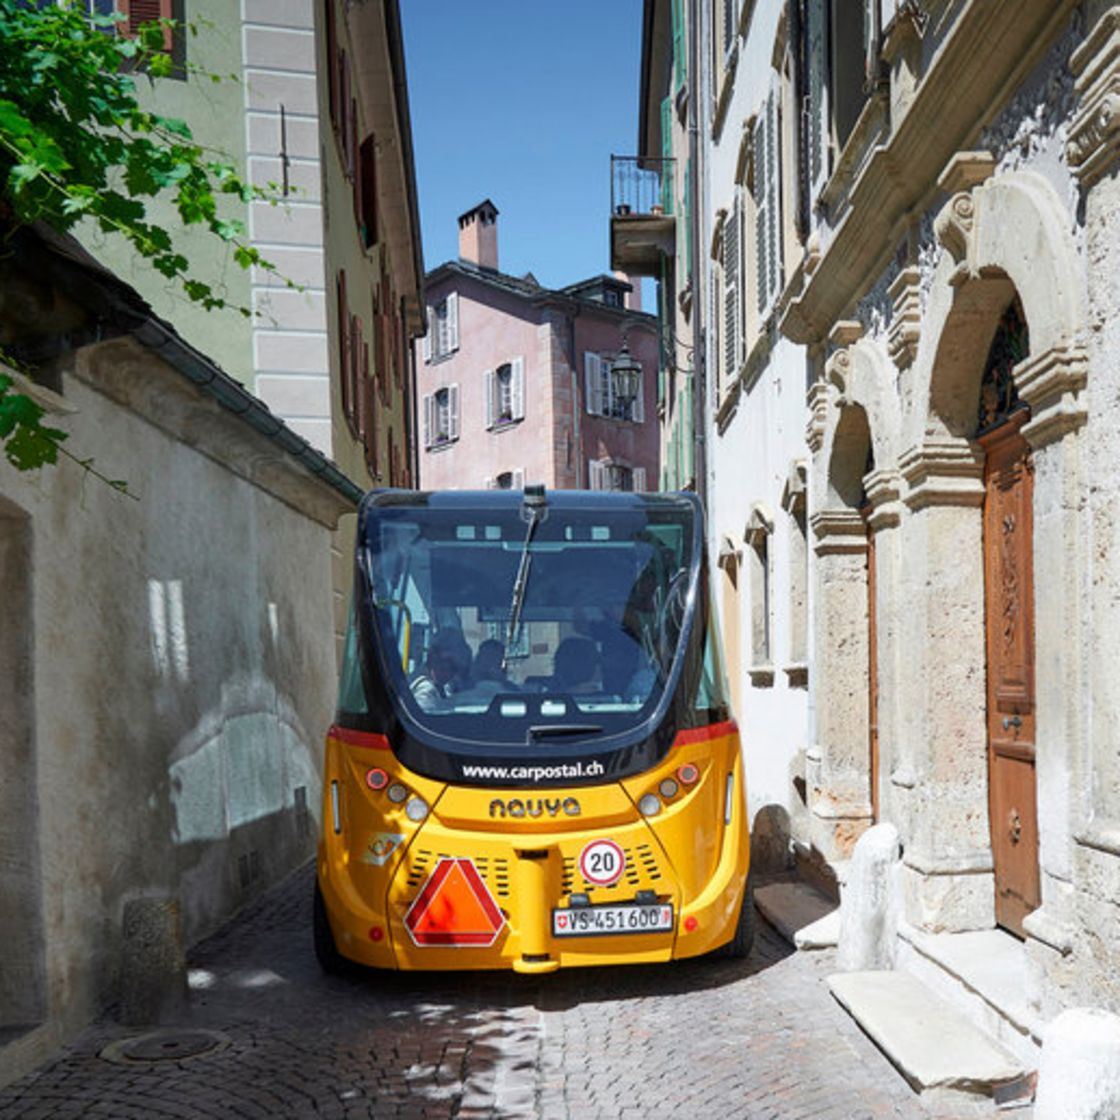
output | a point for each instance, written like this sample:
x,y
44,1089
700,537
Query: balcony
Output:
x,y
643,229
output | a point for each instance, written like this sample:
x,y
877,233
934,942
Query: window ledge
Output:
x,y
797,674
762,676
443,445
436,359
505,425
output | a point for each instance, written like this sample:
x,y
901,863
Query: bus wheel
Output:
x,y
331,961
740,944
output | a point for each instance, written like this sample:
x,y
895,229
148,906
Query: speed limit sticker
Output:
x,y
602,863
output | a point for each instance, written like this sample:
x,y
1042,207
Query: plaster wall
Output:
x,y
180,679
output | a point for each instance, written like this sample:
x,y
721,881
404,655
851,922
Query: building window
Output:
x,y
365,192
759,530
767,174
441,417
505,393
442,338
600,392
507,480
606,474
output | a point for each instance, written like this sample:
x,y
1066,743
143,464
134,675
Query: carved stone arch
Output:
x,y
1006,237
863,405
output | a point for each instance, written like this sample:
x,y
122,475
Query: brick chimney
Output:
x,y
478,236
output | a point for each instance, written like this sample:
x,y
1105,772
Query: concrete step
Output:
x,y
941,1054
800,913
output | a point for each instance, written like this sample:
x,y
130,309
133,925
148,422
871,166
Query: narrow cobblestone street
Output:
x,y
757,1039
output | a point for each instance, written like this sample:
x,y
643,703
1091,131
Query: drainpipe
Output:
x,y
577,439
699,355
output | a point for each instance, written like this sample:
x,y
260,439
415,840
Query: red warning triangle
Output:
x,y
455,907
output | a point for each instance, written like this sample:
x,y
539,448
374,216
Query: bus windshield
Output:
x,y
499,621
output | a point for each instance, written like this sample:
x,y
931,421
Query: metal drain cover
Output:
x,y
165,1046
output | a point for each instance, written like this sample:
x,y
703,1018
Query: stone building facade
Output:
x,y
166,650
911,294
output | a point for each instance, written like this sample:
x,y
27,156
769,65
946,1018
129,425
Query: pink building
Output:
x,y
514,380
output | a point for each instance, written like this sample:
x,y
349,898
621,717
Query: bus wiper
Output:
x,y
541,730
533,506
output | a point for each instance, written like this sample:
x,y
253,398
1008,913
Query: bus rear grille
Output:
x,y
495,872
642,870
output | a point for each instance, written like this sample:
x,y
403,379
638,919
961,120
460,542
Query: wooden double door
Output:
x,y
1009,633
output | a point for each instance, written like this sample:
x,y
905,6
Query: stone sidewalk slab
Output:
x,y
934,1047
800,913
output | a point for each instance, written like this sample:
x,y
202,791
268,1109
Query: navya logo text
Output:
x,y
516,807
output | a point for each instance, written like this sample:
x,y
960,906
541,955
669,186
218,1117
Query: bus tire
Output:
x,y
331,961
739,947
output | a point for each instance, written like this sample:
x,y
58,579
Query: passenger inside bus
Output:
x,y
575,666
448,669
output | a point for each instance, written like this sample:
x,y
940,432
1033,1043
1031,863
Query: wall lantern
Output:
x,y
626,377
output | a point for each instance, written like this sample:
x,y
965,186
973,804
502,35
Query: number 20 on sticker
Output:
x,y
602,863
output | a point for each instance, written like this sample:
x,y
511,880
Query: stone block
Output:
x,y
870,904
153,967
1079,1076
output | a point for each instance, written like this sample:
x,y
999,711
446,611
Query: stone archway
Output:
x,y
22,977
1005,239
855,480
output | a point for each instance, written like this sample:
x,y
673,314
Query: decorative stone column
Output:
x,y
1093,151
837,763
942,736
883,495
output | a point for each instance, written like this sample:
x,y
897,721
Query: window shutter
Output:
x,y
679,61
343,341
816,108
488,389
773,188
591,384
594,474
427,411
728,24
640,479
519,478
427,341
731,294
326,10
761,196
453,322
517,389
871,31
452,411
666,153
639,413
490,483
137,12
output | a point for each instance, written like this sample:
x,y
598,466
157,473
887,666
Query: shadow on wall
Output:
x,y
245,791
771,840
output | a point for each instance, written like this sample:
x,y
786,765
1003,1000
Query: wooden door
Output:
x,y
1009,629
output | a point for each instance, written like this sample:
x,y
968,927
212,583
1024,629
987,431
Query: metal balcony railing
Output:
x,y
641,186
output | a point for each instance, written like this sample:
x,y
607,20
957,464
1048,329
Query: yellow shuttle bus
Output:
x,y
533,765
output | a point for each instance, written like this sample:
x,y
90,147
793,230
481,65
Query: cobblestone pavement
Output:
x,y
760,1039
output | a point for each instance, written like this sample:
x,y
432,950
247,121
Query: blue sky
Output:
x,y
522,102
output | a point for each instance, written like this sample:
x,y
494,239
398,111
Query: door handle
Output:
x,y
1011,721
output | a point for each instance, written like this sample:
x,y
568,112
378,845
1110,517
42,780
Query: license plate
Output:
x,y
585,921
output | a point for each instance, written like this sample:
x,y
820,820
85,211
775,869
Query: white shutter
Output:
x,y
731,294
452,411
453,322
594,475
640,479
519,478
774,187
817,110
427,410
488,385
592,386
490,483
761,247
517,389
428,335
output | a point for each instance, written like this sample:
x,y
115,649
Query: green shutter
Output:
x,y
686,210
666,154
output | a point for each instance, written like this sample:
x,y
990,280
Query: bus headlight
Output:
x,y
648,805
668,788
416,810
397,793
